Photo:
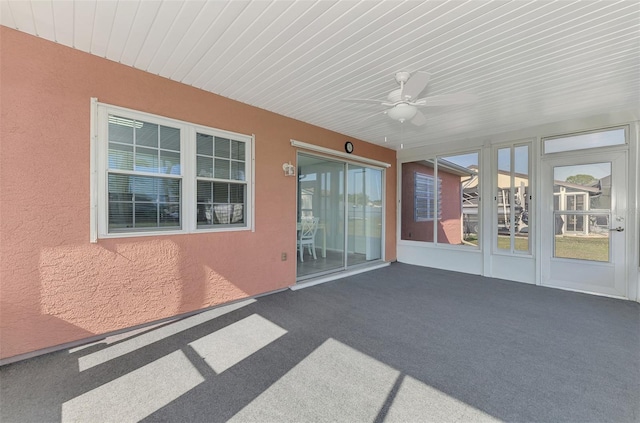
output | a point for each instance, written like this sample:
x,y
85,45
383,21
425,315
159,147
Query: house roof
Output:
x,y
527,62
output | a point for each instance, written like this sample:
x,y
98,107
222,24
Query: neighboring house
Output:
x,y
430,200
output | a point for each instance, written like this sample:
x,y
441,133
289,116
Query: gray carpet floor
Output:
x,y
402,343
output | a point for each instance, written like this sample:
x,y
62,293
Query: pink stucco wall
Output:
x,y
449,225
55,286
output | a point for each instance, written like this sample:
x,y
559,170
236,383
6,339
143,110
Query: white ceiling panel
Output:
x,y
527,62
216,26
124,15
103,27
84,14
137,33
153,39
180,27
63,21
198,28
42,12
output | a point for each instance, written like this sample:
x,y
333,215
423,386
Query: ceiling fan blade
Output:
x,y
362,100
419,119
416,84
446,100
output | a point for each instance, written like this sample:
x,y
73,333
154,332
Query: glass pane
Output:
x,y
223,148
169,214
237,150
144,188
504,199
143,202
582,211
204,144
205,192
120,215
237,171
418,201
458,193
205,202
222,169
120,129
521,198
583,236
170,162
119,188
204,167
321,195
236,193
146,160
145,215
147,134
169,138
584,141
583,187
364,215
120,156
220,192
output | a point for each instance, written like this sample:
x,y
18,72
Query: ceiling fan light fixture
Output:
x,y
402,112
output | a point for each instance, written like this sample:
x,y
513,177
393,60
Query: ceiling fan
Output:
x,y
403,103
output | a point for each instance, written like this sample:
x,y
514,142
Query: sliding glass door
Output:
x,y
339,215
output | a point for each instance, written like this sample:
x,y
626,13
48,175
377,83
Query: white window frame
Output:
x,y
99,173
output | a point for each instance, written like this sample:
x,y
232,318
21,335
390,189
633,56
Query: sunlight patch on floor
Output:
x,y
230,345
416,401
334,380
91,360
137,394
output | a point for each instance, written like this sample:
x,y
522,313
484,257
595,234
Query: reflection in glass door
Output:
x,y
347,202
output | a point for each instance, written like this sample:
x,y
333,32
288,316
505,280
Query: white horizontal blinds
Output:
x,y
425,197
144,176
221,169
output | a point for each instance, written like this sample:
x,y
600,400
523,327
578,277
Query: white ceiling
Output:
x,y
528,62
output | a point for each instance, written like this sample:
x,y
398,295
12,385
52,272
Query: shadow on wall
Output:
x,y
94,289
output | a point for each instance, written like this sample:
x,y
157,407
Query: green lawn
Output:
x,y
574,247
583,248
522,243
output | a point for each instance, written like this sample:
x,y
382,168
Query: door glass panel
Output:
x,y
512,199
521,198
364,215
504,199
321,196
582,211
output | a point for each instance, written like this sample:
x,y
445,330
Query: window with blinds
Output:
x,y
144,176
221,181
157,176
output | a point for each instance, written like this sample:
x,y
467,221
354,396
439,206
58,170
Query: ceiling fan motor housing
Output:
x,y
402,77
